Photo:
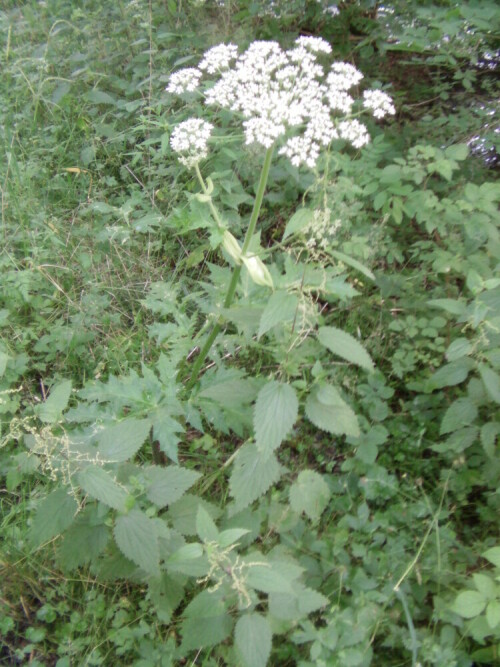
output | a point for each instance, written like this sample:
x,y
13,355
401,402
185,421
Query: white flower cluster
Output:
x,y
321,230
380,103
276,90
190,139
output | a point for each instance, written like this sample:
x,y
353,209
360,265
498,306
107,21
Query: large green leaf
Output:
x,y
182,514
276,410
253,638
84,540
136,535
491,381
346,346
299,220
121,441
167,485
280,308
206,621
460,413
310,494
50,410
55,513
99,484
450,374
272,576
253,473
469,604
326,409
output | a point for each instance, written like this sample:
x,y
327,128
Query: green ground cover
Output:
x,y
277,447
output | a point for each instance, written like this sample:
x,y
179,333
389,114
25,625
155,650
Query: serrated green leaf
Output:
x,y
206,621
298,221
121,441
309,494
489,433
84,540
326,409
50,410
229,389
137,537
167,485
165,430
205,526
296,606
450,374
99,484
346,346
280,308
55,513
182,514
491,382
460,347
469,604
230,536
275,576
493,555
166,593
253,473
4,358
253,639
460,413
275,412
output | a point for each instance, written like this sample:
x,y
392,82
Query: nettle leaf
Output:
x,y
253,639
276,410
55,513
346,346
206,621
165,430
493,555
469,604
450,374
327,410
166,593
228,388
493,614
460,413
280,308
137,537
272,576
205,526
253,473
491,382
121,441
489,433
167,485
84,540
301,603
50,410
182,514
309,494
460,347
100,484
298,221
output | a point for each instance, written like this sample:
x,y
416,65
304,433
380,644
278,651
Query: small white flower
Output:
x,y
354,132
185,80
339,100
314,44
301,150
380,103
343,76
190,139
218,58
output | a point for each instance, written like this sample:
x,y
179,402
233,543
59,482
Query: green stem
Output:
x,y
264,175
211,206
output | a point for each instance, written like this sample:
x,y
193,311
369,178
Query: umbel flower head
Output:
x,y
284,94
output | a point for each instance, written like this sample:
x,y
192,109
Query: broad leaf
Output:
x,y
299,220
166,593
50,411
280,308
272,576
84,540
182,514
469,604
252,638
346,346
491,382
99,484
121,441
253,473
460,413
137,537
55,513
450,374
493,555
326,409
205,526
276,410
206,621
310,494
167,485
350,261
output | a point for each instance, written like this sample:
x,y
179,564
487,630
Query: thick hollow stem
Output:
x,y
264,175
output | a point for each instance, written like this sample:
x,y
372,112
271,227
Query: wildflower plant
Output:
x,y
285,99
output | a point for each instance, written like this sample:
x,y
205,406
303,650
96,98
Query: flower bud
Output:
x,y
231,246
258,271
